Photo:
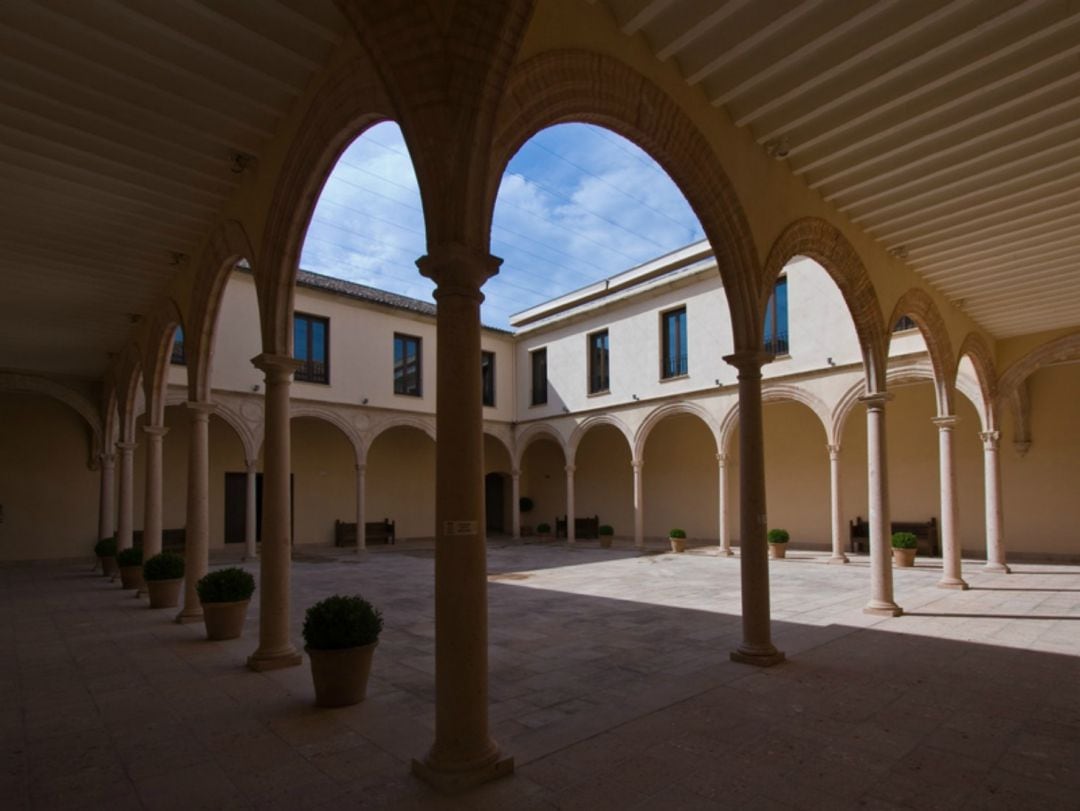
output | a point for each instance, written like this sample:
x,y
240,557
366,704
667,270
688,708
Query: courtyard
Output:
x,y
610,685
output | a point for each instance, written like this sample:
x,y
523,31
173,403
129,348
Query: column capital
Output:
x,y
748,361
360,468
251,465
570,468
126,447
458,270
722,458
875,401
155,430
637,465
834,451
946,423
107,459
990,439
1021,446
200,410
515,473
278,368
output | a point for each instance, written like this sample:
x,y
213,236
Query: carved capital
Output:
x,y
834,452
946,423
277,368
990,439
155,431
458,270
748,362
875,401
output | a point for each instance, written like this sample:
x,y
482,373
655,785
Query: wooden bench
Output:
x,y
374,532
584,528
926,532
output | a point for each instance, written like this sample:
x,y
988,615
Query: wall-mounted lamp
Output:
x,y
255,387
364,401
830,361
565,410
635,396
717,381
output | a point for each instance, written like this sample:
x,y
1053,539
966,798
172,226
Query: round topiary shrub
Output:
x,y
778,536
165,566
226,586
132,556
543,529
341,622
606,529
525,504
105,548
677,533
904,540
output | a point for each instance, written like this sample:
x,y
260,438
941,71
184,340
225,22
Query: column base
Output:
x,y
260,662
880,608
187,616
759,657
726,553
997,568
952,583
838,560
456,781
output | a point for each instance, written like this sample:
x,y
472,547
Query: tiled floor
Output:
x,y
610,685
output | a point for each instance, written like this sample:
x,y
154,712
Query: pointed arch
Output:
x,y
779,393
532,432
976,348
129,380
589,423
920,308
160,332
667,410
1067,347
821,241
558,87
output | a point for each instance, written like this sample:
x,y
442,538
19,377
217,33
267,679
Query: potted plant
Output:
x,y
543,530
525,505
130,562
340,635
105,549
224,595
905,545
607,534
677,539
778,540
164,574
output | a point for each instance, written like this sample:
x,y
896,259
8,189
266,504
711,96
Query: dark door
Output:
x,y
493,502
235,507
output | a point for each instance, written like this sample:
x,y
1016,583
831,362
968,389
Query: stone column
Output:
x,y
995,545
757,647
275,647
639,506
463,753
251,518
152,511
570,504
951,575
881,583
838,556
725,540
361,516
197,535
107,504
515,498
125,518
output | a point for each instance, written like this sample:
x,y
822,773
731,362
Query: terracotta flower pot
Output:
x,y
777,550
605,542
678,545
225,620
131,577
108,565
340,676
904,558
164,593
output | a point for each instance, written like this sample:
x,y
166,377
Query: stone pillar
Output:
x,y
995,545
197,535
361,516
757,647
463,753
725,539
251,518
838,556
107,504
515,499
639,506
125,518
275,647
570,504
951,575
152,511
881,583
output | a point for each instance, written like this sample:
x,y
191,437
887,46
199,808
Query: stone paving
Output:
x,y
610,685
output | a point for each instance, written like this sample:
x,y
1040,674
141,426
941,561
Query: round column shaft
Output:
x,y
126,508
251,517
107,503
197,537
951,575
152,511
515,500
881,580
361,517
570,534
722,514
995,544
836,513
639,506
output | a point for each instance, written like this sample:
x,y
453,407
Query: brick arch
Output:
x,y
591,422
656,416
161,329
348,103
1067,347
917,305
976,348
533,432
566,86
821,241
780,393
227,245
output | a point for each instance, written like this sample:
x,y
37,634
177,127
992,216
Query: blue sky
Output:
x,y
577,203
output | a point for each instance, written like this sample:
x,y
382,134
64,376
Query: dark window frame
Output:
x,y
599,361
309,370
178,356
487,378
400,386
777,337
904,323
674,360
538,365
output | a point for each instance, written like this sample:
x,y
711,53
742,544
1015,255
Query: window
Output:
x,y
539,377
674,362
178,356
599,377
406,365
311,346
904,322
487,377
776,321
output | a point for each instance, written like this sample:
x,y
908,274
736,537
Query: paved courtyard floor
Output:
x,y
610,685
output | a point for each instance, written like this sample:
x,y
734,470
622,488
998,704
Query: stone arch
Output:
x,y
778,393
1067,347
977,349
920,308
419,423
227,245
329,415
161,331
591,422
499,437
667,410
821,241
350,101
565,86
76,400
530,434
129,378
248,440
